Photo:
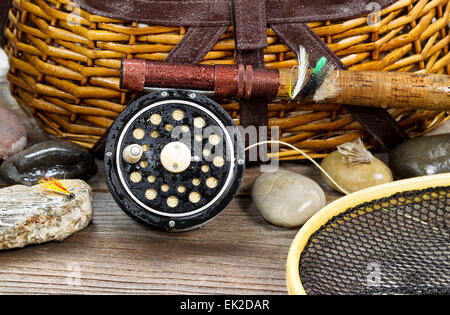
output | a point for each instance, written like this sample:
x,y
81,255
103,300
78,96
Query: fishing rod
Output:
x,y
322,84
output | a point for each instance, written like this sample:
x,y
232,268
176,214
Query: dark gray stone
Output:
x,y
56,158
421,156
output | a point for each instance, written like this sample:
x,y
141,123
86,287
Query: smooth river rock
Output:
x,y
421,156
354,177
53,158
13,137
287,199
33,215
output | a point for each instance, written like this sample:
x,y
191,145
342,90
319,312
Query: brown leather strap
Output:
x,y
5,5
250,17
196,44
218,12
296,34
191,49
253,112
250,24
214,12
377,121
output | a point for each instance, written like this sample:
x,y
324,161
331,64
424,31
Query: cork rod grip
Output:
x,y
384,89
394,90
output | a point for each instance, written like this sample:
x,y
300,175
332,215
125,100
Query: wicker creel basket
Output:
x,y
67,74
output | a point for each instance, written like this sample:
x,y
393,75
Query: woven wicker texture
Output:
x,y
394,245
65,66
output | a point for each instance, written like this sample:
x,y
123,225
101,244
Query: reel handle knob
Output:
x,y
132,153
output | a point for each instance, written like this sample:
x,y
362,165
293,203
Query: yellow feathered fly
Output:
x,y
56,186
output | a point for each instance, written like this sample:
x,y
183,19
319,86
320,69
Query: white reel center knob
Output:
x,y
176,157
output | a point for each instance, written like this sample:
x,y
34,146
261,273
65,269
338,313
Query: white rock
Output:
x,y
287,199
4,66
32,215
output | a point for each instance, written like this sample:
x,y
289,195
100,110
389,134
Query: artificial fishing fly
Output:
x,y
303,64
329,88
321,72
56,186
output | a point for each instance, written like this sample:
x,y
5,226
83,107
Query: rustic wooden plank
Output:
x,y
236,253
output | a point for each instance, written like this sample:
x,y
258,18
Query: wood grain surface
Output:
x,y
237,253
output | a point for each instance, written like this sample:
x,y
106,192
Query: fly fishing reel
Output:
x,y
174,160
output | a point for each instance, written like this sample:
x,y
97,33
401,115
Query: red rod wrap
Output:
x,y
227,81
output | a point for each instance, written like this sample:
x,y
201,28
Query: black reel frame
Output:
x,y
120,189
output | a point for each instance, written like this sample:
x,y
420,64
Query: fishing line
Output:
x,y
302,153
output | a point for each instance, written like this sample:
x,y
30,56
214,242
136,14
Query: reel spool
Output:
x,y
174,160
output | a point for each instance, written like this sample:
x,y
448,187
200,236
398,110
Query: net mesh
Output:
x,y
394,245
